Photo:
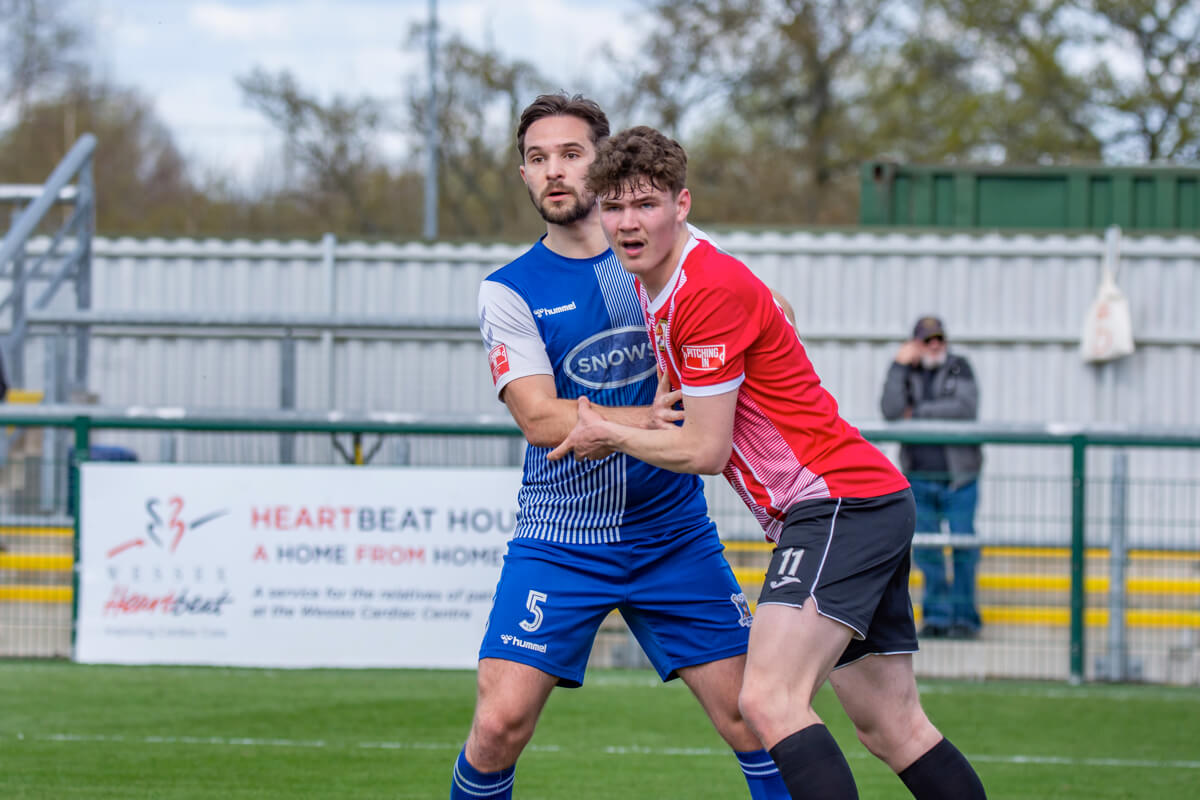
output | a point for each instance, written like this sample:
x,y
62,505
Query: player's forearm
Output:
x,y
677,448
547,423
632,416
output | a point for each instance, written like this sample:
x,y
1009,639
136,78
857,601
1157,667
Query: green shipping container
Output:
x,y
1136,198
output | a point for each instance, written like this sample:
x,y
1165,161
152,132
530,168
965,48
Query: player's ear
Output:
x,y
683,204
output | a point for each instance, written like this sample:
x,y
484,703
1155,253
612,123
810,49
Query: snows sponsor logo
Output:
x,y
706,358
612,358
498,361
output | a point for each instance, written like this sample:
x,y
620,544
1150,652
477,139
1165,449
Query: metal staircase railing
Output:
x,y
55,266
74,265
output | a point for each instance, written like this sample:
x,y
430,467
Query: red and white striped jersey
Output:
x,y
717,328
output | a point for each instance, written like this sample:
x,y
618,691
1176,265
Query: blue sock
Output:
x,y
471,784
762,776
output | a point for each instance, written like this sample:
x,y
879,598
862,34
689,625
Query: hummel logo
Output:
x,y
546,312
513,641
784,581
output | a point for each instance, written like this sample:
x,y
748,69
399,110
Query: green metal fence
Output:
x,y
1073,591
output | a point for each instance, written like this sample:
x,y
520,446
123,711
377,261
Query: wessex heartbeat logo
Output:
x,y
166,526
160,530
124,601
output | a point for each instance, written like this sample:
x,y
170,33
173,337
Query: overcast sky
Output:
x,y
185,54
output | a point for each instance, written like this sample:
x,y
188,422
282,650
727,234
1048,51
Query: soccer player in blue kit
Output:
x,y
561,321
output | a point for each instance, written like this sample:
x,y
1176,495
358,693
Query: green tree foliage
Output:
x,y
1043,81
985,80
777,101
781,79
923,106
1154,103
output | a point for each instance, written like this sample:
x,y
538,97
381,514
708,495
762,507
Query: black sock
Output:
x,y
813,766
943,773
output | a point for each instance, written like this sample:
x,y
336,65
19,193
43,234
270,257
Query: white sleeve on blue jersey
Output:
x,y
505,319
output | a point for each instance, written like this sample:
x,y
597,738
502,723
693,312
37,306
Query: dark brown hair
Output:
x,y
635,154
562,105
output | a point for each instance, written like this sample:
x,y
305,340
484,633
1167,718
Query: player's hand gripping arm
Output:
x,y
546,419
701,445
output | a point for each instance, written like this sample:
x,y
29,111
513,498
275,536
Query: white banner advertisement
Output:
x,y
289,566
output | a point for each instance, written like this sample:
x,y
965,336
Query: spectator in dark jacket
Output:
x,y
927,381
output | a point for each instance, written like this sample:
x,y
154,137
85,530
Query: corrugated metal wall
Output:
x,y
1014,304
241,369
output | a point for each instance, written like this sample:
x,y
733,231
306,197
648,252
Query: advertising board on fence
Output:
x,y
289,566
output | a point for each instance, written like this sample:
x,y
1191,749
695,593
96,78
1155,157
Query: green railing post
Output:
x,y
1078,555
82,451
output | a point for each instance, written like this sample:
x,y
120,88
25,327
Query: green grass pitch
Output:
x,y
168,733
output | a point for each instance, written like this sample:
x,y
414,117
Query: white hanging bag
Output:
x,y
1108,327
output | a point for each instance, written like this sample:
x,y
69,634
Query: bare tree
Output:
x,y
481,95
142,180
782,74
39,50
334,142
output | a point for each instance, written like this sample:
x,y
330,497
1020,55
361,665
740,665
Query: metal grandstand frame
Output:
x,y
34,205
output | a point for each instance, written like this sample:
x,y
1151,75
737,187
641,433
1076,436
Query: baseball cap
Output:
x,y
928,326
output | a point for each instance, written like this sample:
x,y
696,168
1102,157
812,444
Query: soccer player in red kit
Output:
x,y
835,602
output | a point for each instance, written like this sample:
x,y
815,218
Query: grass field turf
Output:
x,y
74,731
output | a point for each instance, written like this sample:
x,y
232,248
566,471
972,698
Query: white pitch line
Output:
x,y
1087,762
990,688
1065,692
221,741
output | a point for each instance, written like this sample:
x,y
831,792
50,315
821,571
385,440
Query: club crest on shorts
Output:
x,y
745,618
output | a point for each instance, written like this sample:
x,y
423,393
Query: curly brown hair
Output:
x,y
561,104
637,154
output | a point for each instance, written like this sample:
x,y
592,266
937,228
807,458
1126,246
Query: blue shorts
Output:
x,y
675,591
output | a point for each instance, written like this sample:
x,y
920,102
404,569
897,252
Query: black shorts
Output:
x,y
851,556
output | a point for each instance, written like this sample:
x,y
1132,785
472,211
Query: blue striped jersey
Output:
x,y
580,321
